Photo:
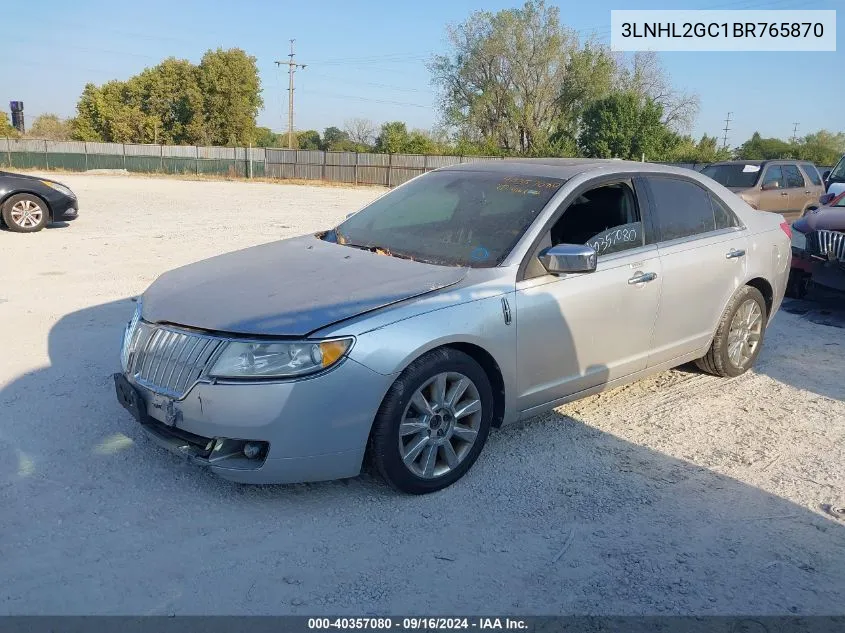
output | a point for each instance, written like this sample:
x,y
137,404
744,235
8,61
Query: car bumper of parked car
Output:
x,y
66,210
312,429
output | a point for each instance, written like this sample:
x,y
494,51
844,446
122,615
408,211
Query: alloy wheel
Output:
x,y
27,214
440,425
745,333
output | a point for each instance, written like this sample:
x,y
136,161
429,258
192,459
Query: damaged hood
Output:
x,y
290,287
824,218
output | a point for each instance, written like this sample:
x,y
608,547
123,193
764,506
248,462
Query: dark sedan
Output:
x,y
29,203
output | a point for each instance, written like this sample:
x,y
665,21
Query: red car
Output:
x,y
818,248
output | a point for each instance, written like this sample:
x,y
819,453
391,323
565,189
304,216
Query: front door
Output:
x,y
775,200
581,330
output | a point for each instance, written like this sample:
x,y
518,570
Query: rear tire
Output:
x,y
739,335
25,213
433,422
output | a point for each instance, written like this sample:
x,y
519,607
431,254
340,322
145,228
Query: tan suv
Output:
x,y
788,187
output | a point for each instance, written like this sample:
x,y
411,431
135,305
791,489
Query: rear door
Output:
x,y
702,257
775,200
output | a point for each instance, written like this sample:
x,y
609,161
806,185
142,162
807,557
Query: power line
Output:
x,y
292,66
727,123
387,101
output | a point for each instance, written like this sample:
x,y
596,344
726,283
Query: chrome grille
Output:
x,y
169,360
827,244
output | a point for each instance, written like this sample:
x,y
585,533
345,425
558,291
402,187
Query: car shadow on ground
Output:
x,y
557,517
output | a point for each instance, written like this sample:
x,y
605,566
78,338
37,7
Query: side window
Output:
x,y
606,218
812,173
793,176
682,208
774,174
724,217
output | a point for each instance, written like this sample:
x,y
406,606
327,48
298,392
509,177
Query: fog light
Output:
x,y
252,449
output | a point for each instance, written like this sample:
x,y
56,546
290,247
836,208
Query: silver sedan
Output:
x,y
468,298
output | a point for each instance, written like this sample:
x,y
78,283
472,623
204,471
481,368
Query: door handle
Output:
x,y
784,193
641,278
734,253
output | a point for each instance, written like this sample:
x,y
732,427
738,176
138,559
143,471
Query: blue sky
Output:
x,y
366,58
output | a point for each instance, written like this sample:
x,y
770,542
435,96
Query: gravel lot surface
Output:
x,y
680,494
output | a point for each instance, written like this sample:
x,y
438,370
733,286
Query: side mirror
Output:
x,y
569,258
826,174
772,184
825,198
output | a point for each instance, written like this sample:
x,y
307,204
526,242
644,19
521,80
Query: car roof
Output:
x,y
761,162
564,168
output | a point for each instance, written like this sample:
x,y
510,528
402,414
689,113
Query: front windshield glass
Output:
x,y
838,172
458,218
743,176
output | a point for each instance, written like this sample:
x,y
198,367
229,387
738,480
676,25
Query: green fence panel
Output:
x,y
143,164
30,160
70,162
105,161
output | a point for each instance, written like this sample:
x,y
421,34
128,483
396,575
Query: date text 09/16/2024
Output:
x,y
417,623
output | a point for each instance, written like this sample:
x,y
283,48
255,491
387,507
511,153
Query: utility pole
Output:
x,y
292,66
727,123
794,132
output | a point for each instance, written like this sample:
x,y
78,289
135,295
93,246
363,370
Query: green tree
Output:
x,y
51,127
822,147
502,79
623,125
706,150
231,92
176,102
6,128
334,139
393,138
265,137
309,139
759,148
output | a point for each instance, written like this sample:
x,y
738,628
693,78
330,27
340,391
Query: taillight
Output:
x,y
786,229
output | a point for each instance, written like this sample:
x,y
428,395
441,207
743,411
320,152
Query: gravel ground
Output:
x,y
679,494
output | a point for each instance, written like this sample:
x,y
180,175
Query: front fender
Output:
x,y
391,348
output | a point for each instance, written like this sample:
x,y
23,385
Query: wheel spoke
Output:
x,y
412,427
470,407
456,392
429,460
415,450
421,404
464,433
450,455
439,389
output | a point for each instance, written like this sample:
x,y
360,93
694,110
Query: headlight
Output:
x,y
58,187
278,360
127,336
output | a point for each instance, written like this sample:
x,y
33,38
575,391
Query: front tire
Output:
x,y
433,422
739,335
25,213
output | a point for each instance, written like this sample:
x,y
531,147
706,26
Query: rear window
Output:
x,y
682,208
733,175
793,176
812,173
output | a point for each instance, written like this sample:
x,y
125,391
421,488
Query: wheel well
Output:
x,y
766,290
30,193
494,375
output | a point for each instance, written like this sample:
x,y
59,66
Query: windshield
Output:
x,y
744,176
459,218
837,174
